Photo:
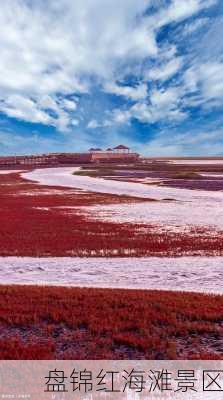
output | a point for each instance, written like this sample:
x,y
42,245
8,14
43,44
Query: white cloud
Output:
x,y
205,82
195,25
165,98
57,54
23,108
131,92
190,143
179,10
93,124
165,71
69,105
51,50
121,116
75,122
163,105
211,78
35,110
48,49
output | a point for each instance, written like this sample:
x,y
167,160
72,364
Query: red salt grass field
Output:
x,y
81,323
35,222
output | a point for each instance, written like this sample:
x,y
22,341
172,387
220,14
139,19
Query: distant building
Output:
x,y
120,153
92,150
121,149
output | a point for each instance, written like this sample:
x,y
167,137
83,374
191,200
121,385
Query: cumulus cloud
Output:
x,y
60,60
24,108
163,105
51,49
69,104
131,92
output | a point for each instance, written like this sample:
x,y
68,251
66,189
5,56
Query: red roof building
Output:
x,y
122,149
92,150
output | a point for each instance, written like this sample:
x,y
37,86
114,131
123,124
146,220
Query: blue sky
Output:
x,y
83,73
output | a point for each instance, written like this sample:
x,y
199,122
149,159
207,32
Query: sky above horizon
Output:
x,y
86,73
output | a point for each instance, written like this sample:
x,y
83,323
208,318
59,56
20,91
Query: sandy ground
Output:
x,y
174,217
197,162
197,208
190,208
199,274
10,171
64,177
